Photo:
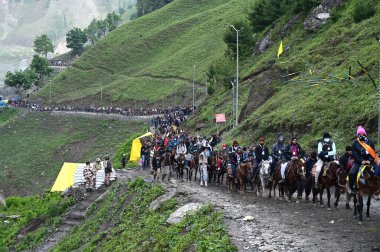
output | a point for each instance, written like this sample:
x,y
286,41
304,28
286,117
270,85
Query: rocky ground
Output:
x,y
281,226
272,225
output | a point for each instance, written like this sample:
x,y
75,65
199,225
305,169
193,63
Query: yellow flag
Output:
x,y
280,50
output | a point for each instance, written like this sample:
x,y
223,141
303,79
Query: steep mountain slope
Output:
x,y
161,47
35,145
304,93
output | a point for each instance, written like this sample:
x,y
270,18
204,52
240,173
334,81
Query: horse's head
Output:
x,y
300,169
373,181
265,167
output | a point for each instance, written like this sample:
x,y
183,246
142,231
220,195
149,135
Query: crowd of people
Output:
x,y
173,152
126,111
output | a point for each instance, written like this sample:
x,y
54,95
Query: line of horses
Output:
x,y
262,181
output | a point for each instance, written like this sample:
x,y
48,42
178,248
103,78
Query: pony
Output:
x,y
295,177
264,170
368,184
213,163
180,166
276,181
243,174
194,166
329,178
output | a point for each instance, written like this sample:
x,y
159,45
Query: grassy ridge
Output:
x,y
167,42
170,41
37,144
300,108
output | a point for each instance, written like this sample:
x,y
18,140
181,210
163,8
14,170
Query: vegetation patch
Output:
x,y
37,145
137,228
37,215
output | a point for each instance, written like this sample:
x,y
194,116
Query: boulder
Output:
x,y
157,202
320,15
180,213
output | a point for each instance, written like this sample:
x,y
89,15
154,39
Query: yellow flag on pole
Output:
x,y
280,50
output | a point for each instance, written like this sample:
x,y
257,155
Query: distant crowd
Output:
x,y
127,111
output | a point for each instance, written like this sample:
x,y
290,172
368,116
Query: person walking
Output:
x,y
88,174
107,170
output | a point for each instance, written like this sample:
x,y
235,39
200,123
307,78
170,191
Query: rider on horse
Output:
x,y
261,153
346,160
363,152
278,151
326,153
233,156
292,151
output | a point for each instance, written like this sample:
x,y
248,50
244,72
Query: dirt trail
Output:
x,y
282,226
72,219
277,225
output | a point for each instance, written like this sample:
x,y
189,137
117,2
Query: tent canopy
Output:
x,y
65,177
136,146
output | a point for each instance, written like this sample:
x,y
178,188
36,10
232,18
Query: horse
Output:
x,y
213,162
329,178
230,179
295,177
194,166
181,166
221,170
264,170
276,181
243,174
369,184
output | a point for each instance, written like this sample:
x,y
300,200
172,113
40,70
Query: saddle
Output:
x,y
360,177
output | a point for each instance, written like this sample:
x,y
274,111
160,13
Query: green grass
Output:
x,y
165,43
37,144
123,222
168,42
48,209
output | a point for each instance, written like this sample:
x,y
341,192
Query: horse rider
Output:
x,y
278,150
363,153
346,160
224,149
261,153
292,151
326,153
181,149
233,156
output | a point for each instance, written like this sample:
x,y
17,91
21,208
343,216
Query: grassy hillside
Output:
x,y
35,145
163,46
155,49
123,222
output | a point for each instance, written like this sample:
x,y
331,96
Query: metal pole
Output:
x,y
50,92
237,78
193,88
237,74
233,103
378,119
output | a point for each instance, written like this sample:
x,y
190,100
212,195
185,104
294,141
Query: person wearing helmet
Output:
x,y
88,174
326,153
278,151
363,153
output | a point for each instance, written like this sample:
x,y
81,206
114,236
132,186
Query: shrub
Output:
x,y
363,9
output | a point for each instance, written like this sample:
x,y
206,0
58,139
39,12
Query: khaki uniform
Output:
x,y
89,174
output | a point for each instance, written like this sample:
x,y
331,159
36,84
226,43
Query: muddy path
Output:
x,y
282,226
